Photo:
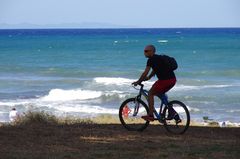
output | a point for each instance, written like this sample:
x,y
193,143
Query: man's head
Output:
x,y
149,50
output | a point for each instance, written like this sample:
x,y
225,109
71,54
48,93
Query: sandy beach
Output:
x,y
87,139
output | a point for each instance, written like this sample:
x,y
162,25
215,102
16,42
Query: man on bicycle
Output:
x,y
166,79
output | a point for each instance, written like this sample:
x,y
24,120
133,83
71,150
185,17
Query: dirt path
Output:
x,y
107,141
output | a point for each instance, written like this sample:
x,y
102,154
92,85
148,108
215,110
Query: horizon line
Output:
x,y
92,28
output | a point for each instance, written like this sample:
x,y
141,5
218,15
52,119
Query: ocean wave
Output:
x,y
15,102
58,107
115,81
67,95
178,87
60,96
118,81
118,93
192,109
233,111
228,123
186,88
162,41
115,94
87,109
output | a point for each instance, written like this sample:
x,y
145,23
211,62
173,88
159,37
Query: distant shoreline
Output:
x,y
92,28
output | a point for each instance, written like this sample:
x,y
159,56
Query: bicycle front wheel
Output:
x,y
130,113
177,119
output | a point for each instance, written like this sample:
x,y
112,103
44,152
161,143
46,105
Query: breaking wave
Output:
x,y
66,95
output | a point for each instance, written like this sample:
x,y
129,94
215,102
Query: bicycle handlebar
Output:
x,y
141,85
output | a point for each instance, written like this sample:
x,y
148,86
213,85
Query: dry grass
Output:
x,y
44,136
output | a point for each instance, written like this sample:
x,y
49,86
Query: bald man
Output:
x,y
166,79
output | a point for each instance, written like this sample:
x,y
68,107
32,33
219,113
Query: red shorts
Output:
x,y
162,86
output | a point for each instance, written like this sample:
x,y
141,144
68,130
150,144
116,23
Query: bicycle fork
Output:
x,y
136,107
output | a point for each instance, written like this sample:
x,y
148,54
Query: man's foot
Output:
x,y
172,116
175,116
148,118
178,120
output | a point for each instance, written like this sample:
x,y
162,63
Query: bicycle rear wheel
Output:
x,y
130,113
179,122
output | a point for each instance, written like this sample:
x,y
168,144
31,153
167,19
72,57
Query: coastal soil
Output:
x,y
104,141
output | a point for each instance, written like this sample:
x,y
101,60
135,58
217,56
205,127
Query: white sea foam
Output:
x,y
118,81
120,94
67,95
179,109
113,81
186,88
228,123
15,102
79,100
60,106
191,109
162,41
179,87
233,111
88,109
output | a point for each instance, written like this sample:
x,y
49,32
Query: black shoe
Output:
x,y
171,113
177,118
172,116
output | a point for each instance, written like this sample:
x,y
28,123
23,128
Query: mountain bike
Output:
x,y
174,115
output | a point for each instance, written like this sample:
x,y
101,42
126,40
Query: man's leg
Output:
x,y
151,94
160,86
151,101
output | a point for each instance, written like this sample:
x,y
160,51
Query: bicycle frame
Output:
x,y
164,101
174,115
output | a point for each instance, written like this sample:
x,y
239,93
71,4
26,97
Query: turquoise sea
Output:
x,y
86,72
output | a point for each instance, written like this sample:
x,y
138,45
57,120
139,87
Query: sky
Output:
x,y
119,13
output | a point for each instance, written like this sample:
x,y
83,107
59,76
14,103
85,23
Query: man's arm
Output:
x,y
143,76
151,75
